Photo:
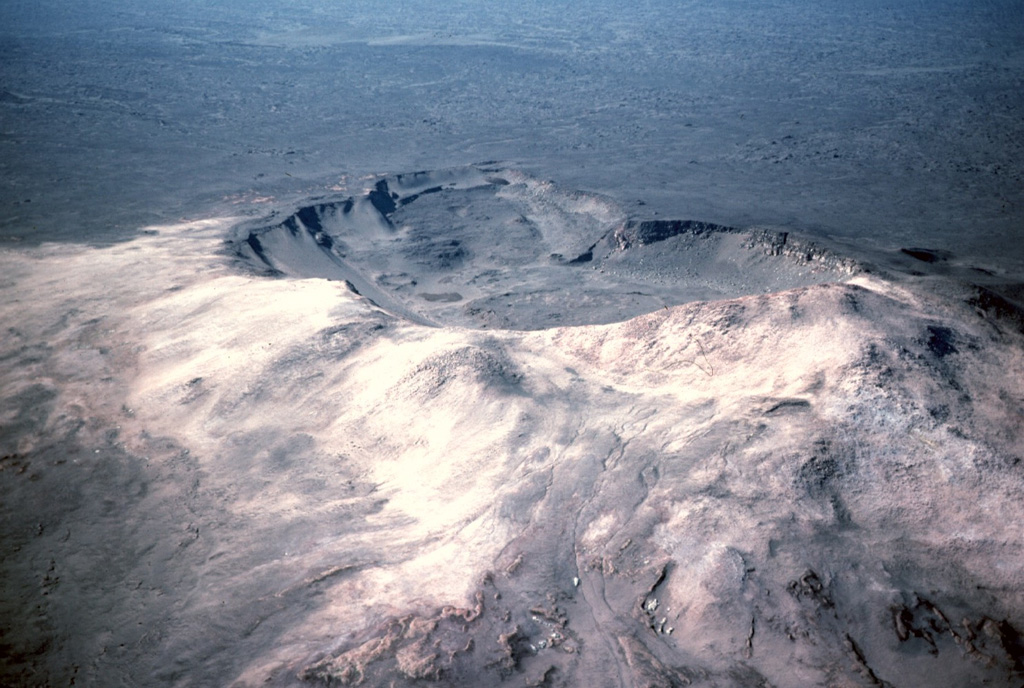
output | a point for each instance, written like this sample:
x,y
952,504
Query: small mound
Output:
x,y
489,247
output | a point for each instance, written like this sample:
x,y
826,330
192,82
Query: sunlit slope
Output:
x,y
275,482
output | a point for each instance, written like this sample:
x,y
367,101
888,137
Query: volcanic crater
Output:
x,y
486,246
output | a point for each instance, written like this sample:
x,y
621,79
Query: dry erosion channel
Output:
x,y
469,428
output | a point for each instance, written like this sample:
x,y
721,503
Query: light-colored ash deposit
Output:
x,y
260,453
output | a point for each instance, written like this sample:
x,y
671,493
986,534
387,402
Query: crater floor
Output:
x,y
490,247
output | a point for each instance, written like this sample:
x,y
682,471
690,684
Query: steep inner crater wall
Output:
x,y
489,247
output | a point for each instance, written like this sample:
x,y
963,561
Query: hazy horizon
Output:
x,y
890,124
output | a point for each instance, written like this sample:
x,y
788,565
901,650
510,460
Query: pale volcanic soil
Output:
x,y
469,428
